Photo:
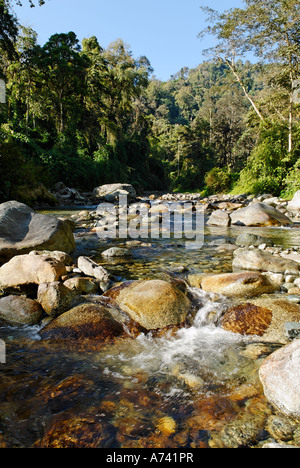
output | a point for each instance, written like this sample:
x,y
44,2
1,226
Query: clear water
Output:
x,y
183,388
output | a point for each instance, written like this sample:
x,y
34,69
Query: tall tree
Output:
x,y
64,74
97,90
270,29
8,32
23,75
127,78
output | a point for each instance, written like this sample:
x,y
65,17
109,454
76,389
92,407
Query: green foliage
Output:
x,y
269,163
8,32
34,196
292,181
19,177
85,115
218,180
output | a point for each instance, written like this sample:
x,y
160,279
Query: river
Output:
x,y
194,387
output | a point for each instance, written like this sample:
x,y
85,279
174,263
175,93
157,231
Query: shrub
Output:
x,y
218,180
292,181
268,164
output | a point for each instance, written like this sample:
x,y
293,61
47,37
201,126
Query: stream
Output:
x,y
194,387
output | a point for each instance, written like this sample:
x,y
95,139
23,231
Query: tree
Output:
x,y
227,127
127,78
8,32
31,3
64,70
97,90
270,29
23,75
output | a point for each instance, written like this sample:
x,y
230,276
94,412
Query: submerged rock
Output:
x,y
76,431
116,252
246,239
241,433
280,376
153,304
280,427
22,230
167,425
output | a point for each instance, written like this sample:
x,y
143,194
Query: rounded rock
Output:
x,y
242,284
85,322
20,310
153,304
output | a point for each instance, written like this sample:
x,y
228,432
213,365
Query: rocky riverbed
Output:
x,y
133,343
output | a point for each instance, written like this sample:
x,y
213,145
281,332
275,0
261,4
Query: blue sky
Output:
x,y
163,30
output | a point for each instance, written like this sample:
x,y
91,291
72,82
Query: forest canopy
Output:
x,y
85,115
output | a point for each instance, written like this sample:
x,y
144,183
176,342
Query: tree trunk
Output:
x,y
291,121
232,68
61,117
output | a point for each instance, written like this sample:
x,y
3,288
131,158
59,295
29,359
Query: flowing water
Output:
x,y
194,387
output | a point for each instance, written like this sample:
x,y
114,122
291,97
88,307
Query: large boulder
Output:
x,y
247,239
280,376
259,260
20,310
111,192
22,230
30,269
153,304
243,284
259,214
294,204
